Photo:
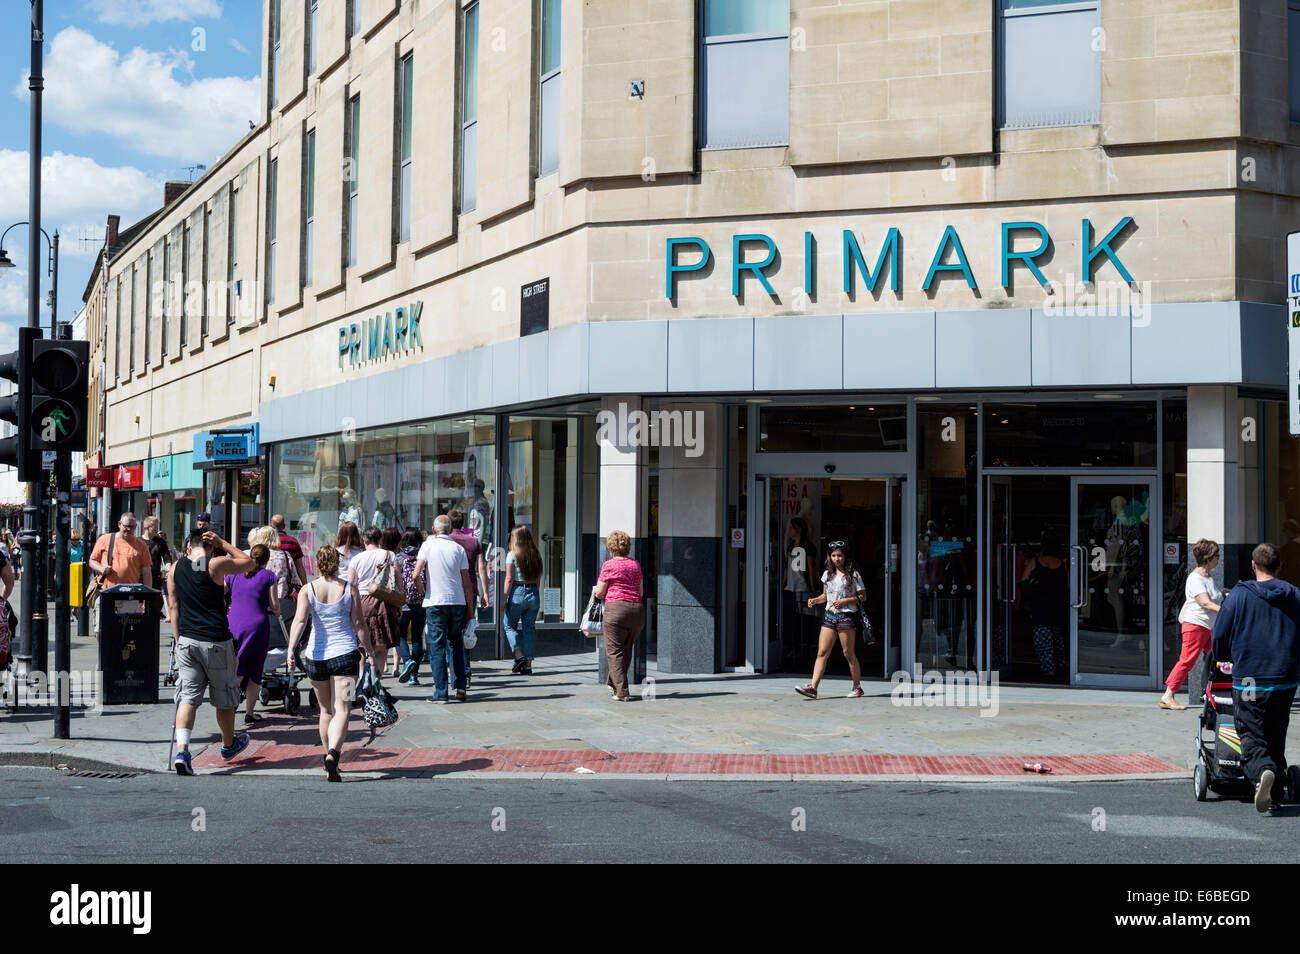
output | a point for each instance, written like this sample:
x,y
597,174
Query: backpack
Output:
x,y
409,588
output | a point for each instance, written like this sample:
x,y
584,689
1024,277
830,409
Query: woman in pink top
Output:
x,y
620,588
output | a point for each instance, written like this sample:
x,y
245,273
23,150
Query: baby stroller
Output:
x,y
1218,756
281,675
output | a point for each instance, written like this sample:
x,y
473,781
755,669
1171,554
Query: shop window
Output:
x,y
1050,63
542,495
1100,434
214,500
548,159
1174,534
745,74
401,477
860,428
947,557
250,503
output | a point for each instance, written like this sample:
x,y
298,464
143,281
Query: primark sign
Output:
x,y
395,333
1022,244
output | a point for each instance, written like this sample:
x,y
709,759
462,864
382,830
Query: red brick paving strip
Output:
x,y
274,755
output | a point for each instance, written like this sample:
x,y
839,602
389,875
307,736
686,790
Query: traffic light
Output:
x,y
13,407
60,392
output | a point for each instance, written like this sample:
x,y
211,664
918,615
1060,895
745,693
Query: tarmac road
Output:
x,y
46,816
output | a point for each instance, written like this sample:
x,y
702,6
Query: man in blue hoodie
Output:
x,y
1258,631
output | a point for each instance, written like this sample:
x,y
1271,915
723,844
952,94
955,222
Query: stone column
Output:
x,y
1214,478
692,488
622,498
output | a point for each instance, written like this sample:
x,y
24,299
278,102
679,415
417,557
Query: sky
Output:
x,y
136,92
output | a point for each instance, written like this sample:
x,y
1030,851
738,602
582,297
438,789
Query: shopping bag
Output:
x,y
593,618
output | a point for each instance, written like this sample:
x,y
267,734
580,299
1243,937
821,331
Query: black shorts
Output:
x,y
320,670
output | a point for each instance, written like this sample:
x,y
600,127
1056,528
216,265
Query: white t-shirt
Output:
x,y
1194,612
839,587
443,558
366,565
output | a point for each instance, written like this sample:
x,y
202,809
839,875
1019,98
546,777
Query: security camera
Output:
x,y
829,468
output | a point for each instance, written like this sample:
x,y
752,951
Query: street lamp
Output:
x,y
51,269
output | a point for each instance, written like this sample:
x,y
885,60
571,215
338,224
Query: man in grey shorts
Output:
x,y
205,650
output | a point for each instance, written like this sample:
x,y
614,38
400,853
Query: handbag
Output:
x,y
868,634
93,587
593,617
379,708
384,587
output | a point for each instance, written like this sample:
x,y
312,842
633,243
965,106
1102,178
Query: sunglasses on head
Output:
x,y
835,545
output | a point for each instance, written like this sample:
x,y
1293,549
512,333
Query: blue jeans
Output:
x,y
410,631
521,614
444,630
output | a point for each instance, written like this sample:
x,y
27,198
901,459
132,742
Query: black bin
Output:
x,y
129,614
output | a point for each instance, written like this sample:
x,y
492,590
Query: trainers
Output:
x,y
1264,793
439,700
807,690
460,695
241,743
182,764
519,664
855,692
405,675
527,670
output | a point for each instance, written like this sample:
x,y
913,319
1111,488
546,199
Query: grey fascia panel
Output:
x,y
533,365
889,350
478,384
1081,350
505,372
979,349
567,350
1263,343
1188,343
710,354
628,357
798,353
455,389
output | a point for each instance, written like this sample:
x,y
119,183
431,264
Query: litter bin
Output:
x,y
128,643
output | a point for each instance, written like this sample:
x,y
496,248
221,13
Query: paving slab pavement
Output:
x,y
729,725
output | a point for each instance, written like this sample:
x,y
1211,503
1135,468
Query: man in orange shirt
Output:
x,y
131,560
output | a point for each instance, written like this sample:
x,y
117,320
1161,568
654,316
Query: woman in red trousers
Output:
x,y
1197,618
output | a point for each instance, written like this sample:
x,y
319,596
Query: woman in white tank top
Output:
x,y
331,658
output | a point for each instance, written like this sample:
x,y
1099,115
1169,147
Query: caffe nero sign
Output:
x,y
394,333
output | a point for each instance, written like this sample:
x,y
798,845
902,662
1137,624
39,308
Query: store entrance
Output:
x,y
804,516
1071,572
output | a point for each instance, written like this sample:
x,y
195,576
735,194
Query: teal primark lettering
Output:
x,y
392,334
689,257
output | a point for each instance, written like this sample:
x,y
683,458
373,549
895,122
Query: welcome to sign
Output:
x,y
854,263
392,333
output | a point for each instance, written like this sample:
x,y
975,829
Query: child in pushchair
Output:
x,y
1218,757
280,675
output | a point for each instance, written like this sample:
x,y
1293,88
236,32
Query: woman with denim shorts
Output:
x,y
332,658
842,593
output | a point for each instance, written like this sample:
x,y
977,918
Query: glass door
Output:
x,y
1001,574
805,515
1113,569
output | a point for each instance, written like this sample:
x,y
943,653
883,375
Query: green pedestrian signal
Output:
x,y
59,395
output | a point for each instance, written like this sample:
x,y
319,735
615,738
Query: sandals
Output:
x,y
1166,705
251,718
332,765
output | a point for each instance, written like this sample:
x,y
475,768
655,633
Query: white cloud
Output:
x,y
149,101
77,194
141,12
239,46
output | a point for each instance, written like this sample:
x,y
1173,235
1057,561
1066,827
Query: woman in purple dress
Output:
x,y
252,597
